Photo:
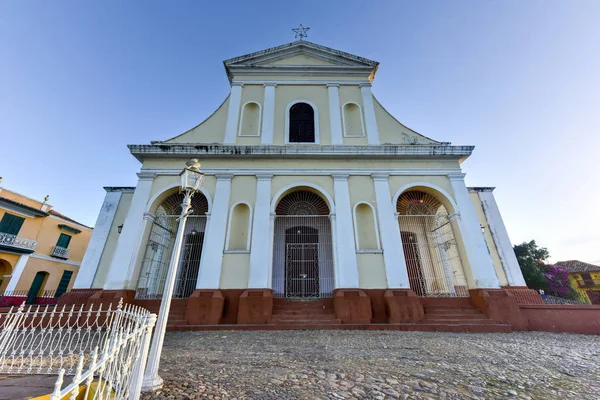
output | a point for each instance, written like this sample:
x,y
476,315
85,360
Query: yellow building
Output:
x,y
40,249
584,278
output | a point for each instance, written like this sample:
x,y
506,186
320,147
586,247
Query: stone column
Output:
x,y
233,113
393,254
335,116
347,267
369,110
268,117
130,239
95,248
500,237
212,250
260,254
17,272
477,252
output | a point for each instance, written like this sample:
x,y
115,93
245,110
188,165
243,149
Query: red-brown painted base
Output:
x,y
501,306
352,306
110,297
255,306
204,307
402,305
487,310
524,295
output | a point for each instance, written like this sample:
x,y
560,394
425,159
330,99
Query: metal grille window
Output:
x,y
430,249
302,248
302,123
155,264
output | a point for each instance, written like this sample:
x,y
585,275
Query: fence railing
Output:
x,y
104,349
566,295
45,297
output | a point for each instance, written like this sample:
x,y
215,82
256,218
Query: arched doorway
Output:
x,y
5,269
37,286
161,240
430,249
302,247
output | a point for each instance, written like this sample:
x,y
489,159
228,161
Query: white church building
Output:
x,y
318,207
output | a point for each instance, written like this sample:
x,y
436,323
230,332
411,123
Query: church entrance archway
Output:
x,y
430,249
302,247
161,241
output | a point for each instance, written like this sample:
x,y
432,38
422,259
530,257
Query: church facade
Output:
x,y
314,197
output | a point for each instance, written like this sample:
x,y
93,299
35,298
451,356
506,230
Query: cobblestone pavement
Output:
x,y
378,365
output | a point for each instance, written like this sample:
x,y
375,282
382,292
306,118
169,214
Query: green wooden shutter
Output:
x,y
63,241
64,283
11,224
36,287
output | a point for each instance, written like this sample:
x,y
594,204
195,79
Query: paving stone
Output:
x,y
307,365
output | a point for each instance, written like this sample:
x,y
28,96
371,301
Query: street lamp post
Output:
x,y
191,179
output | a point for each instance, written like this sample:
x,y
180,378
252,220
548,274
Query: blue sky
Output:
x,y
79,80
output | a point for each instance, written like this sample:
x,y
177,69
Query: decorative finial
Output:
x,y
193,163
301,32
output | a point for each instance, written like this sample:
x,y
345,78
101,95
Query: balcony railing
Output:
x,y
588,283
17,242
60,252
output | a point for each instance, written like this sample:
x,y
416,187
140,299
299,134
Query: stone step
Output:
x,y
455,314
303,317
302,312
278,321
452,311
451,321
475,328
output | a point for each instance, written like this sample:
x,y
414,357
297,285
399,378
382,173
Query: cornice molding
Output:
x,y
310,151
321,172
119,188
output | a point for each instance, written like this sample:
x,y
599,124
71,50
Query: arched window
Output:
x,y
240,218
161,241
353,121
250,119
301,123
430,248
365,227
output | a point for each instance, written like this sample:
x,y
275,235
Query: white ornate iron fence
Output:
x,y
105,349
60,252
7,239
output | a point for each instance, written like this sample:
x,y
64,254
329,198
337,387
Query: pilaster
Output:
x,y
393,254
127,250
501,239
369,110
212,250
233,113
260,254
268,119
477,252
335,116
95,248
347,268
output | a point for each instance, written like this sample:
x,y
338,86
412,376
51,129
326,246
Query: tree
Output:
x,y
559,284
531,260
